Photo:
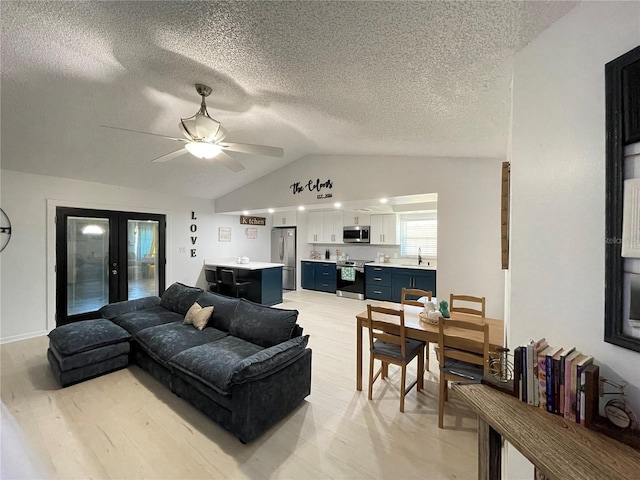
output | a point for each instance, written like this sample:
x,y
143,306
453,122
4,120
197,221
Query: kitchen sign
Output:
x,y
253,220
312,186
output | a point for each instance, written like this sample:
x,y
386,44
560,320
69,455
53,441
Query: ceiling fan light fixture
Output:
x,y
200,127
203,149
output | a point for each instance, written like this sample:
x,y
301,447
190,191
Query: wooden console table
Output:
x,y
557,448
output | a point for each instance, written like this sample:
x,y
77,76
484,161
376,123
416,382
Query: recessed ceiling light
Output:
x,y
301,208
337,204
245,212
271,210
383,200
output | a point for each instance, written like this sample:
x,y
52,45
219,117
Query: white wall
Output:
x,y
468,208
28,281
558,185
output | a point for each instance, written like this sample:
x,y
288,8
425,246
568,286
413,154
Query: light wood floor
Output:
x,y
127,425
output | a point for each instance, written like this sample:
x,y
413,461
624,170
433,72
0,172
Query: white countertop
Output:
x,y
376,264
399,265
242,266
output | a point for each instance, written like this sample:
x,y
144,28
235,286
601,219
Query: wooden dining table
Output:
x,y
421,330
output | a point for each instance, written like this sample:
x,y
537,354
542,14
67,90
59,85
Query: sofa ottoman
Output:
x,y
82,350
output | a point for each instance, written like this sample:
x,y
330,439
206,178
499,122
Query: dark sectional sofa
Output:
x,y
247,369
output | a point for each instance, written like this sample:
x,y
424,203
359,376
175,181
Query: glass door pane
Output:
x,y
142,258
87,264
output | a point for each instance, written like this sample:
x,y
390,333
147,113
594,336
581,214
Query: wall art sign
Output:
x,y
311,186
193,228
622,109
244,220
5,230
224,234
251,233
631,219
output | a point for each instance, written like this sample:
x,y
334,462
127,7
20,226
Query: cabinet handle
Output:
x,y
377,279
325,273
377,269
378,292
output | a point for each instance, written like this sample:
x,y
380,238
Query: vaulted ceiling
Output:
x,y
373,78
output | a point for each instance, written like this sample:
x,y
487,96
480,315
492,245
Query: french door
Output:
x,y
103,257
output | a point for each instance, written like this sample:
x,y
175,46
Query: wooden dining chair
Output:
x,y
415,292
417,297
456,363
453,299
389,344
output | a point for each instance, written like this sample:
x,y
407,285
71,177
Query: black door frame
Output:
x,y
118,255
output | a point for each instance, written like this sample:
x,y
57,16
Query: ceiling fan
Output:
x,y
204,138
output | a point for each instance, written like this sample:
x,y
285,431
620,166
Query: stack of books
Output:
x,y
553,378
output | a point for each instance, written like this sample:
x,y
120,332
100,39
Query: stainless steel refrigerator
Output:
x,y
283,250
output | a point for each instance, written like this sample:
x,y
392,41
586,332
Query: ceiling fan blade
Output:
x,y
170,156
146,133
249,148
229,162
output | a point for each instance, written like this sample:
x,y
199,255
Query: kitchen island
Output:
x,y
265,279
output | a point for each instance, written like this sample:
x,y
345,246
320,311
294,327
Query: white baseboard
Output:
x,y
24,336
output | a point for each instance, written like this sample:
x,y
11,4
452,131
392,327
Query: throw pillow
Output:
x,y
178,298
198,316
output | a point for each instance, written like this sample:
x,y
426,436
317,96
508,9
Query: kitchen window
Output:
x,y
419,230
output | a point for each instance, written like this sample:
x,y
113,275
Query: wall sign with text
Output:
x,y
313,186
193,228
244,220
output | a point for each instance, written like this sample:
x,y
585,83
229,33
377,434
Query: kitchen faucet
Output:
x,y
419,256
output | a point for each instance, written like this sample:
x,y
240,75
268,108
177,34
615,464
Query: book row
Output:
x,y
552,378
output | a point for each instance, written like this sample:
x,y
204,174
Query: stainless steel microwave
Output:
x,y
355,234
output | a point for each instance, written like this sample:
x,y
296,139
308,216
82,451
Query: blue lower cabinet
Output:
x,y
326,278
308,280
378,282
319,276
412,278
378,292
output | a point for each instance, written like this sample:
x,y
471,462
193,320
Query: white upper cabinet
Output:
x,y
325,227
332,226
384,229
315,227
356,218
285,219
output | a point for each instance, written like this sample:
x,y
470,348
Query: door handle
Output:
x,y
114,272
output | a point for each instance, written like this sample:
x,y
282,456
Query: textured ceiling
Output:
x,y
378,78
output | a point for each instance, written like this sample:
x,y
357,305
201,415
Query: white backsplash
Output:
x,y
369,252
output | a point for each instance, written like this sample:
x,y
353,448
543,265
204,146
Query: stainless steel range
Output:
x,y
351,282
